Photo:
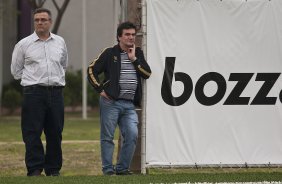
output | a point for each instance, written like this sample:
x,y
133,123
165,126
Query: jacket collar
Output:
x,y
116,51
118,48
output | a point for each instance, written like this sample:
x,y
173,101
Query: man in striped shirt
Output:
x,y
123,66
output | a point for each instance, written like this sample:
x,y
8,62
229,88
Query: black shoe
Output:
x,y
125,172
53,174
35,173
109,173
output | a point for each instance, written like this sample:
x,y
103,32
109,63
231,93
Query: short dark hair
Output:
x,y
124,25
41,10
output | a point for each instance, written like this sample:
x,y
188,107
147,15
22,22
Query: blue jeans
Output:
x,y
123,114
42,110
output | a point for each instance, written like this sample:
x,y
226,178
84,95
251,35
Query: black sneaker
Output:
x,y
53,174
35,173
125,172
109,173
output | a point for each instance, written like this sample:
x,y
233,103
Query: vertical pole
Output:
x,y
1,53
123,16
116,17
143,128
84,61
134,15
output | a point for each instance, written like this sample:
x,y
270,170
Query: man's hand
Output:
x,y
131,53
104,94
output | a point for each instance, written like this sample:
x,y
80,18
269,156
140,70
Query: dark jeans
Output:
x,y
43,110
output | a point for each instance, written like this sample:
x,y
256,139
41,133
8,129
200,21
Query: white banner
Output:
x,y
215,93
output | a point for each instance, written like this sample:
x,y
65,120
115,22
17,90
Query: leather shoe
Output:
x,y
35,173
125,172
53,174
109,173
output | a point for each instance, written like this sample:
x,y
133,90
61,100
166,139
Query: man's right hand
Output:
x,y
104,94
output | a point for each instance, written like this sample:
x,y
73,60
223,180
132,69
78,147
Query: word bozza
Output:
x,y
234,97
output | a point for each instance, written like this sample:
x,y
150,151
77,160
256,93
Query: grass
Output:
x,y
79,159
10,129
74,129
170,178
80,147
82,163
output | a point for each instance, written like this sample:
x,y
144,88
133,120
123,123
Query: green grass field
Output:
x,y
168,178
82,163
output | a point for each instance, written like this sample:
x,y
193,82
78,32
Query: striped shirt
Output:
x,y
36,61
128,79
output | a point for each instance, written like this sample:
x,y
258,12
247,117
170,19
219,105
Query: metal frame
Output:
x,y
143,128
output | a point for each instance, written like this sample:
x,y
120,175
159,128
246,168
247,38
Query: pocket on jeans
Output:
x,y
107,101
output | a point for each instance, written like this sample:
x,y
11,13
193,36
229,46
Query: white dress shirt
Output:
x,y
36,61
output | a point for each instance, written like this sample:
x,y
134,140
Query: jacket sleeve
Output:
x,y
96,67
141,66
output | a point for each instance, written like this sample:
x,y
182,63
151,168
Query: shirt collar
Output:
x,y
36,38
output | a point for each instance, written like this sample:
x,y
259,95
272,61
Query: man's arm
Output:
x,y
96,67
141,66
17,63
65,59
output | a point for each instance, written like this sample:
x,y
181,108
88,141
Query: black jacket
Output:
x,y
108,62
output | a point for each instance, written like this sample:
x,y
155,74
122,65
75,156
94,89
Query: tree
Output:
x,y
60,10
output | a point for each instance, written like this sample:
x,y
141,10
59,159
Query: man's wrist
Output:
x,y
134,59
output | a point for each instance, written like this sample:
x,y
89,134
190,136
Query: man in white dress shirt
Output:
x,y
40,62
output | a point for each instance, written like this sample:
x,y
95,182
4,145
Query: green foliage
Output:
x,y
73,90
12,99
12,92
12,95
92,96
14,84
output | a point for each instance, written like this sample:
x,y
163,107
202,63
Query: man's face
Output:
x,y
127,38
42,23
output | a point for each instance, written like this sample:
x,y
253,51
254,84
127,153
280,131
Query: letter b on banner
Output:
x,y
167,82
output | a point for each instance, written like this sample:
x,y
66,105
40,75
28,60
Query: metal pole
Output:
x,y
116,17
143,128
84,61
1,53
123,16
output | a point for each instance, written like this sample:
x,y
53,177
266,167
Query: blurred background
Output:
x,y
88,26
